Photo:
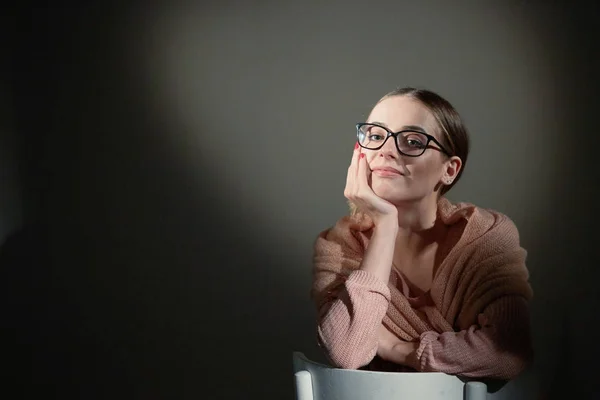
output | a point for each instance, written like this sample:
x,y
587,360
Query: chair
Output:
x,y
315,381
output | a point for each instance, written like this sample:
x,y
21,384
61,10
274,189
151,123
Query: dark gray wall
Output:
x,y
10,191
179,159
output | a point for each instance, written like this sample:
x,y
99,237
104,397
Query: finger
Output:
x,y
352,170
355,157
362,175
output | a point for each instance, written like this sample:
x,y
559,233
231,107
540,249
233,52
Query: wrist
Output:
x,y
405,353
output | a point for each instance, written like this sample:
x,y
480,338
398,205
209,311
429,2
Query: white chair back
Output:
x,y
315,381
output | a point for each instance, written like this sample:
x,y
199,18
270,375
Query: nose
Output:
x,y
389,149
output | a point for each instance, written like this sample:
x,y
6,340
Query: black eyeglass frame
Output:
x,y
395,136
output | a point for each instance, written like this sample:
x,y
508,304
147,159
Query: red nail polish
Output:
x,y
356,146
362,155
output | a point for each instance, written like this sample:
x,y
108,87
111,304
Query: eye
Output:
x,y
415,143
412,143
372,136
415,140
376,136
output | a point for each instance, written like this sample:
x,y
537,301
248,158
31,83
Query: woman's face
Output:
x,y
418,177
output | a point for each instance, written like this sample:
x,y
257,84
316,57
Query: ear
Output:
x,y
452,167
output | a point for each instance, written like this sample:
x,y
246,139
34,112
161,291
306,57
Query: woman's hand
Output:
x,y
361,194
396,350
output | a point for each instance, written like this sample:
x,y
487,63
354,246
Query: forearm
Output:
x,y
469,354
348,324
379,254
498,349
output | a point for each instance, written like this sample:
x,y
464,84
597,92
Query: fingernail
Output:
x,y
356,146
362,155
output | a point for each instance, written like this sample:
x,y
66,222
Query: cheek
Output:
x,y
426,170
370,157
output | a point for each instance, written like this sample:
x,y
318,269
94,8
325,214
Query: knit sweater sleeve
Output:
x,y
499,346
348,322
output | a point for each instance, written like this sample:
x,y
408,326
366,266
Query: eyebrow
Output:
x,y
404,128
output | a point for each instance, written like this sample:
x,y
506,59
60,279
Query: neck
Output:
x,y
417,223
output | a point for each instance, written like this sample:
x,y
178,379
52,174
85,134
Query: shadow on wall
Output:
x,y
137,277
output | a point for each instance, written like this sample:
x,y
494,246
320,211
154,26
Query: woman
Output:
x,y
410,281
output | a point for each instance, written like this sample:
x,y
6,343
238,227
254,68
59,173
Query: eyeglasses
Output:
x,y
409,142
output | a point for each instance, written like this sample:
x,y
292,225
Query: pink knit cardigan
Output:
x,y
474,321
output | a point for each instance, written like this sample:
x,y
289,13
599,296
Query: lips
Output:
x,y
387,171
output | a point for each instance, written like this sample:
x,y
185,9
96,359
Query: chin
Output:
x,y
395,195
